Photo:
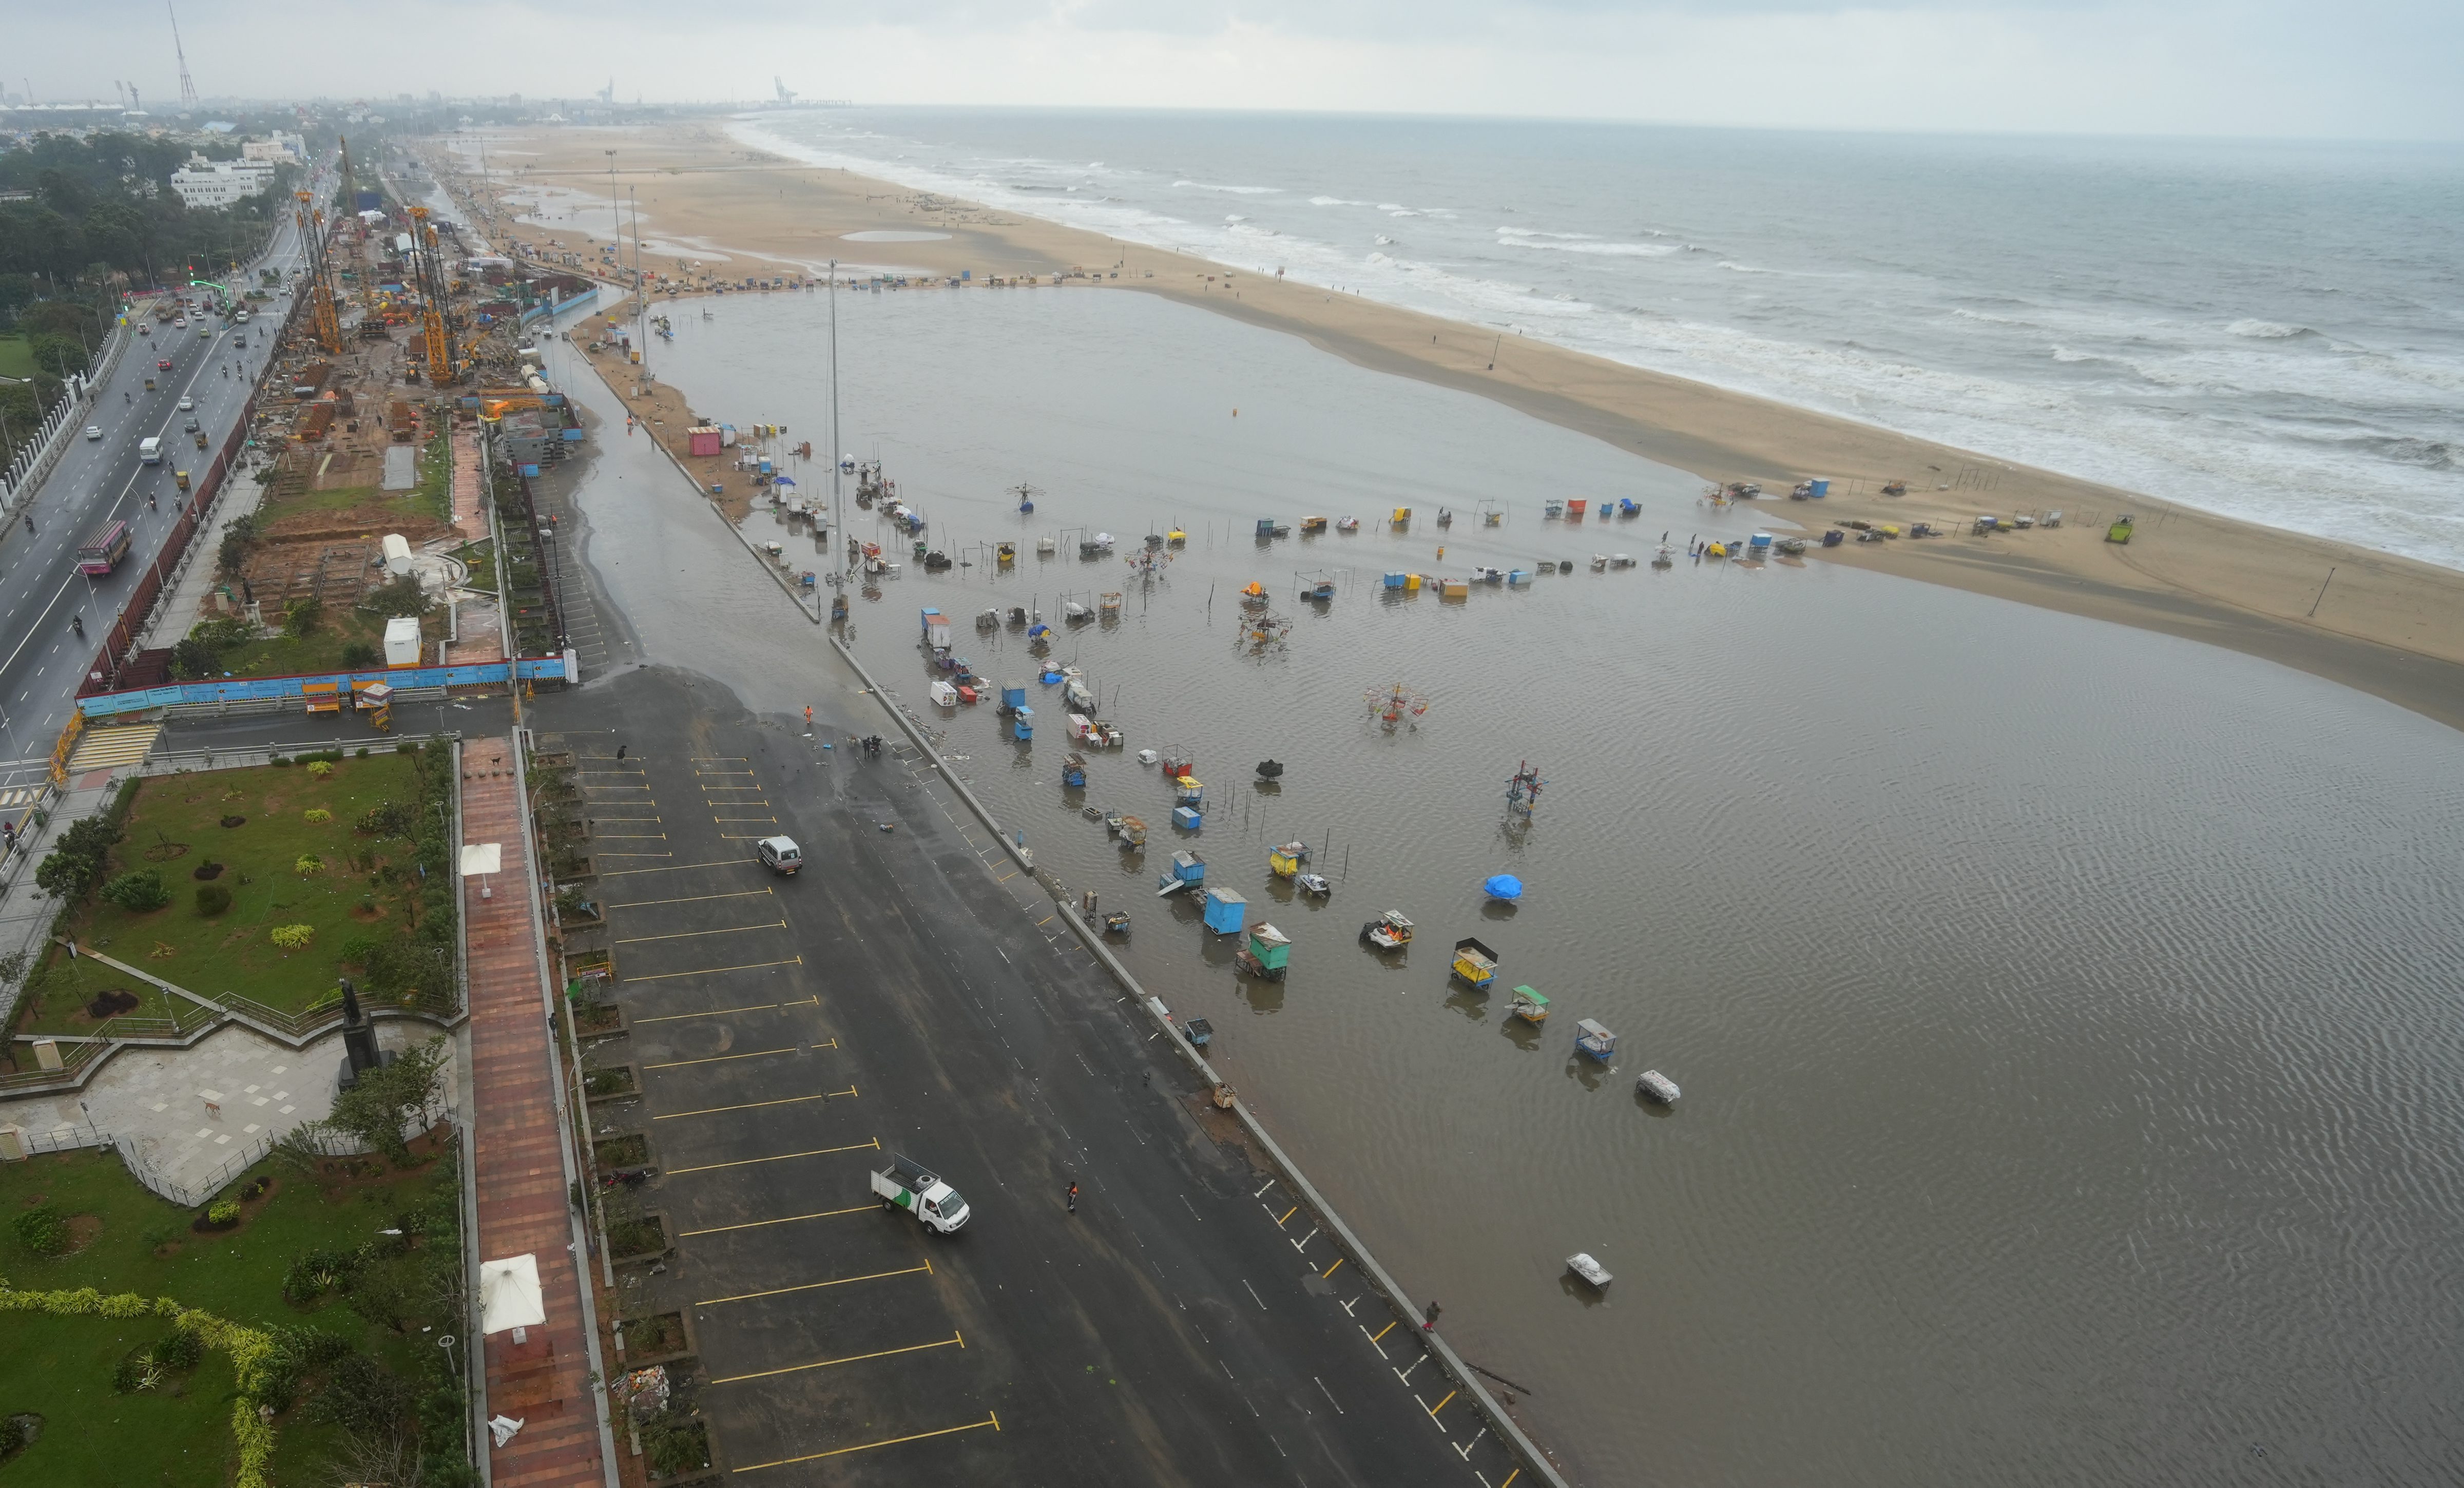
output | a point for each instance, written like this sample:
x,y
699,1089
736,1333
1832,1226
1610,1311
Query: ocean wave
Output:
x,y
1734,267
1595,248
1535,233
2268,330
1234,217
2065,353
1338,201
1236,191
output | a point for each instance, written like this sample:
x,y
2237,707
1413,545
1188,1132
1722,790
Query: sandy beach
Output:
x,y
2388,626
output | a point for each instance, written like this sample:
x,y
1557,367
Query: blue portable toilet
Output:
x,y
1188,869
1821,487
1013,696
1398,581
1022,723
1187,818
1225,910
1517,576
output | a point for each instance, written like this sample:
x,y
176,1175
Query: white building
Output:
x,y
206,185
280,149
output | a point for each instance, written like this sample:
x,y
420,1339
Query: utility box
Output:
x,y
705,439
401,640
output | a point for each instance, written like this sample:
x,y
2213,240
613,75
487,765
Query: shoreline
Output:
x,y
2382,625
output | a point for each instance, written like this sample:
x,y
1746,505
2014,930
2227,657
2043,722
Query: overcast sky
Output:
x,y
2381,69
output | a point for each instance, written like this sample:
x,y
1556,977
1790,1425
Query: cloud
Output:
x,y
2368,68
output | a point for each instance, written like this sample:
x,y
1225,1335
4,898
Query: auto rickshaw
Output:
x,y
149,384
201,439
180,478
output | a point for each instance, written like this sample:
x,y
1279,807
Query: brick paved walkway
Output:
x,y
520,1178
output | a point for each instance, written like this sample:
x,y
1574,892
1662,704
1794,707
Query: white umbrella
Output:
x,y
509,1295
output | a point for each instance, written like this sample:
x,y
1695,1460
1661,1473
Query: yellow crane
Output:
x,y
320,287
433,292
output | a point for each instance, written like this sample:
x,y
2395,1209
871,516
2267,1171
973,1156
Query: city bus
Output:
x,y
102,552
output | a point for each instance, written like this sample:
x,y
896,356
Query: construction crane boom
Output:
x,y
321,284
430,267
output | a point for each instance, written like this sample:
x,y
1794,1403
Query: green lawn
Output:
x,y
233,952
95,1436
320,650
433,495
16,357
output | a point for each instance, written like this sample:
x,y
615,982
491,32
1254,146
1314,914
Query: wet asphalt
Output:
x,y
911,991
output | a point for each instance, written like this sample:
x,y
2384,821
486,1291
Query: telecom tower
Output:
x,y
187,86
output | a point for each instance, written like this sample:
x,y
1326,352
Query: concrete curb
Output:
x,y
1396,1295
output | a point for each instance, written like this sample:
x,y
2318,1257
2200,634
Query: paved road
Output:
x,y
1186,1324
41,658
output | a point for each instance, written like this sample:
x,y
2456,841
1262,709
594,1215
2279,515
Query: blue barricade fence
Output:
x,y
238,689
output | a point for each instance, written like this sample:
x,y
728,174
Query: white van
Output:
x,y
150,451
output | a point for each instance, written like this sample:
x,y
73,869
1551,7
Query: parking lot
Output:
x,y
1187,1323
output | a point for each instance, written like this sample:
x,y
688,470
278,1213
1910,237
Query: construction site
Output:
x,y
370,500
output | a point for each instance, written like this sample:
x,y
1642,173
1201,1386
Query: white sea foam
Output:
x,y
2226,418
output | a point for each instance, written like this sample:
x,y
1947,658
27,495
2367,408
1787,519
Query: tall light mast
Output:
x,y
187,86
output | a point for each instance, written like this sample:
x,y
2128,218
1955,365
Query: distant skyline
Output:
x,y
2358,68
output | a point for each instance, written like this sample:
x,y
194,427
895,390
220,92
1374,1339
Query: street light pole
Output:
x,y
838,506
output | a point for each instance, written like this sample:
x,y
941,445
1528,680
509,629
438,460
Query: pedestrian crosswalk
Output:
x,y
110,748
19,795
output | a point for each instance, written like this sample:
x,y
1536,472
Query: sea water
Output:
x,y
2064,1012
2269,330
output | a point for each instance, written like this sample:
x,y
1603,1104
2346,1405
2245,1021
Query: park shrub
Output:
x,y
294,937
321,768
213,899
181,1348
309,865
137,890
43,1230
222,1211
317,816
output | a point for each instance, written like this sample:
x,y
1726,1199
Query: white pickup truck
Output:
x,y
906,1184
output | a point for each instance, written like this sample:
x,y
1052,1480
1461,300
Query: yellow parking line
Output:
x,y
626,821
1381,1332
628,837
750,1006
1442,1404
722,772
756,1224
635,854
824,1363
1328,1272
992,1421
717,1058
689,934
925,1269
712,970
644,903
743,819
1287,1214
744,837
750,1105
722,863
748,1162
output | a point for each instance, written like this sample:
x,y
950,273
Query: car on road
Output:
x,y
94,431
180,321
190,427
162,364
142,329
780,855
186,403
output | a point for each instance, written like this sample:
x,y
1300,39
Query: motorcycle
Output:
x,y
76,622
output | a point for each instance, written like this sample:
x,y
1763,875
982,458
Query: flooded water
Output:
x,y
2064,1012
